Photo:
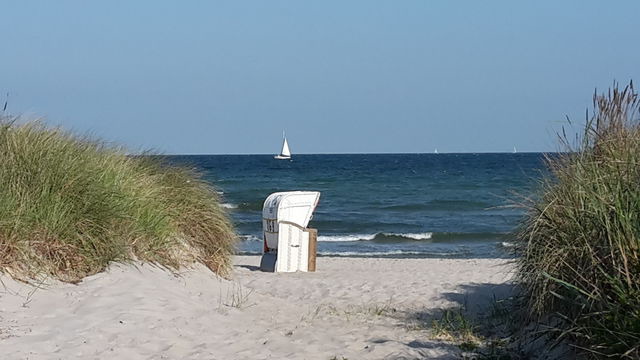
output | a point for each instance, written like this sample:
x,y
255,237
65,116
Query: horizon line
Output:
x,y
353,153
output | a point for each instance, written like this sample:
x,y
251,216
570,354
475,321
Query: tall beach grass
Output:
x,y
580,242
69,206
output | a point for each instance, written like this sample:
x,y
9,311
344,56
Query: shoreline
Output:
x,y
355,308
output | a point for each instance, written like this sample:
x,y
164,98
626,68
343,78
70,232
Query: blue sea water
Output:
x,y
384,205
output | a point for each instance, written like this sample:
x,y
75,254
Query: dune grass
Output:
x,y
580,242
70,205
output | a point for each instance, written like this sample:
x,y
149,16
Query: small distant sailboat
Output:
x,y
285,153
435,151
514,150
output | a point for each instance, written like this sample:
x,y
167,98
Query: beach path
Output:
x,y
351,308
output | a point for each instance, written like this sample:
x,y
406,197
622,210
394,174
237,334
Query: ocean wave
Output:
x,y
393,253
365,237
389,237
407,237
383,236
252,205
229,206
342,238
414,236
382,254
375,237
249,238
461,236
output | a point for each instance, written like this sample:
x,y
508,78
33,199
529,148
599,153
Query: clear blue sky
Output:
x,y
214,77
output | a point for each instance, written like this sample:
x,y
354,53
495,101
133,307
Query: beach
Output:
x,y
351,308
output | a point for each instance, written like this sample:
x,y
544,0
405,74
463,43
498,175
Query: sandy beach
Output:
x,y
351,308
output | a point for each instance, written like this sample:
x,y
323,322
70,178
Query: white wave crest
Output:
x,y
368,253
229,206
369,237
354,237
384,253
250,238
414,236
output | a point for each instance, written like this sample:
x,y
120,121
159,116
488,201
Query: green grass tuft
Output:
x,y
580,242
69,206
455,326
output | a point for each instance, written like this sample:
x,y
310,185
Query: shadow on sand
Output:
x,y
249,267
477,301
490,307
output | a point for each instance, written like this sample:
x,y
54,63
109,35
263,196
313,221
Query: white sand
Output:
x,y
351,308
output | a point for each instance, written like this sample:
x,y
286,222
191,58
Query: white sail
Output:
x,y
285,153
285,148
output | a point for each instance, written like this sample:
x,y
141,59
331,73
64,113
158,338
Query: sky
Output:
x,y
227,77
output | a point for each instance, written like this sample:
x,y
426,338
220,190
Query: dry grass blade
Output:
x,y
579,243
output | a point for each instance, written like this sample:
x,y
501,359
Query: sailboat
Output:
x,y
514,150
285,153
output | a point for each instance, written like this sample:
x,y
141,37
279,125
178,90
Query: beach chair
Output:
x,y
289,245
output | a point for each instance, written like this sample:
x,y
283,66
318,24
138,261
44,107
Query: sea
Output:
x,y
385,205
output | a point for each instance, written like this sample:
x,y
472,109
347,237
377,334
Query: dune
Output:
x,y
351,308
